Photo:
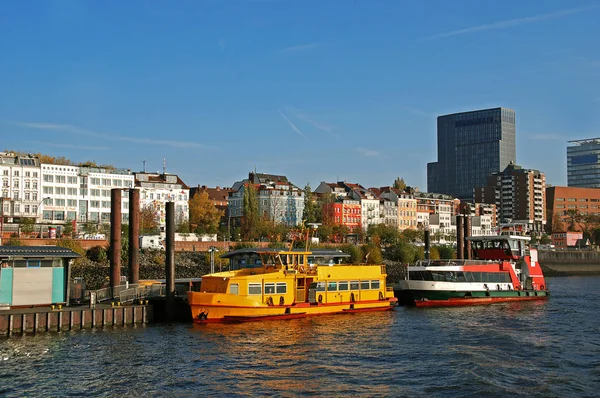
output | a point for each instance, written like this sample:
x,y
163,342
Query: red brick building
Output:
x,y
564,201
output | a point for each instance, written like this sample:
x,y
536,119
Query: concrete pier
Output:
x,y
20,321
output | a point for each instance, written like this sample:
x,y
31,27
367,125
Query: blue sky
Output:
x,y
315,90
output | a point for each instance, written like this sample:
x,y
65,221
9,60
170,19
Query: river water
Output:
x,y
549,349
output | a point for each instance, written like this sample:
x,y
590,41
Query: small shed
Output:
x,y
35,275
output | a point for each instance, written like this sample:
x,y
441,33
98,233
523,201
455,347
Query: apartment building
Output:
x,y
519,195
158,189
21,187
278,199
369,202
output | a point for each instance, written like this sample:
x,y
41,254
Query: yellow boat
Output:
x,y
266,284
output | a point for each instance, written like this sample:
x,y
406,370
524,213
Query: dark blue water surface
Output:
x,y
518,349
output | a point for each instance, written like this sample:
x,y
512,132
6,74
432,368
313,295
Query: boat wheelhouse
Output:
x,y
264,284
503,268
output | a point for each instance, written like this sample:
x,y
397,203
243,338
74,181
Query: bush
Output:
x,y
354,252
97,254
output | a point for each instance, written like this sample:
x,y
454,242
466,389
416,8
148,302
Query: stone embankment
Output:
x,y
570,262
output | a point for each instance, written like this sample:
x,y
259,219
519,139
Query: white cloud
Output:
x,y
289,122
368,152
299,114
298,48
80,131
510,23
70,146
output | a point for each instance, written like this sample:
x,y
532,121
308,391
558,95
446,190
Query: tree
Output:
x,y
90,227
310,207
251,217
26,224
148,220
399,183
204,214
372,254
574,219
67,230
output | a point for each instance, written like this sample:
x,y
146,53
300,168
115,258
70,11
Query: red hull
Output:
x,y
454,302
240,319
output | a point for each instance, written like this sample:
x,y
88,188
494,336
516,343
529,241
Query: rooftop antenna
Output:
x,y
144,163
164,165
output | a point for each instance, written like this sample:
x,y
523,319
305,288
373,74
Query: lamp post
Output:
x,y
212,251
40,205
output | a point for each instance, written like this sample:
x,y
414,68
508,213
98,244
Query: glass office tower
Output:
x,y
583,163
471,146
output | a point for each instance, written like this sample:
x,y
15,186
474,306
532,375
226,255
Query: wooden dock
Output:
x,y
19,321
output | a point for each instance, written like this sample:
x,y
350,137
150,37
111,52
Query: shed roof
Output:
x,y
37,251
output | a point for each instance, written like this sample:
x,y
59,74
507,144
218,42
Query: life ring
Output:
x,y
352,299
542,287
281,300
269,301
320,299
380,296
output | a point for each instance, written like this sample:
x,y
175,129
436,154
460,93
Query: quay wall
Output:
x,y
36,320
570,262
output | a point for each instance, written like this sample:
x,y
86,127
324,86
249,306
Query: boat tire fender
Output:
x,y
269,301
320,299
380,296
352,298
281,300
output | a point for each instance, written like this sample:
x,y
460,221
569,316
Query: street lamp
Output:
x,y
39,206
212,251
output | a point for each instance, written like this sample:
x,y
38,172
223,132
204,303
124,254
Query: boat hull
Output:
x,y
441,298
208,313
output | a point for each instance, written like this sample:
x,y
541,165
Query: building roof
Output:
x,y
37,251
142,179
218,193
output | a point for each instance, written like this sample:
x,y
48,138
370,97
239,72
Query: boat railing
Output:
x,y
450,263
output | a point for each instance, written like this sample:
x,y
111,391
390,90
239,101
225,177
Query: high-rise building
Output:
x,y
470,147
519,195
583,163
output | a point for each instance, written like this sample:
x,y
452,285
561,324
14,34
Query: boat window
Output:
x,y
450,276
469,277
365,285
460,277
301,283
343,285
375,285
269,288
320,286
438,276
254,288
331,286
354,285
234,288
281,288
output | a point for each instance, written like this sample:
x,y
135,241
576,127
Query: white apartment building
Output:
x,y
21,187
158,189
278,199
82,193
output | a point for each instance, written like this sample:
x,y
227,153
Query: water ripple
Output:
x,y
545,349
